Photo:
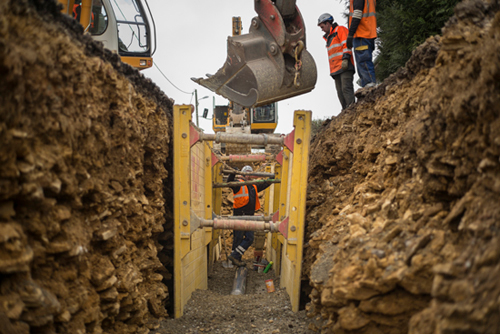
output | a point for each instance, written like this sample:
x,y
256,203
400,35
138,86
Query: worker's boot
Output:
x,y
236,261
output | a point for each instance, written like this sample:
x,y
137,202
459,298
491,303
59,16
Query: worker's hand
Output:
x,y
345,64
348,43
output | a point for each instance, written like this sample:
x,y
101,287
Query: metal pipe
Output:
x,y
240,281
254,218
246,158
228,171
240,225
256,139
245,183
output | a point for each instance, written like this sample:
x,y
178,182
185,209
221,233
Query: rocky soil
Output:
x,y
403,214
84,155
403,206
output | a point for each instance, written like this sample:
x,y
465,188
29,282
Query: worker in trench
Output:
x,y
245,203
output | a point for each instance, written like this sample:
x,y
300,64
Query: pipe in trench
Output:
x,y
255,218
246,158
240,225
254,139
240,281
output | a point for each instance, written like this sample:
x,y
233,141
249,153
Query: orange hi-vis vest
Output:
x,y
241,198
368,26
337,48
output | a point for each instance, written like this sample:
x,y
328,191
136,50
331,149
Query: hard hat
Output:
x,y
247,169
324,18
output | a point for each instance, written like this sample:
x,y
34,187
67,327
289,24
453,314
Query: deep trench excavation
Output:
x,y
402,222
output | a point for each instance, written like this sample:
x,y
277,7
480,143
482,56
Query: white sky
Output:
x,y
192,41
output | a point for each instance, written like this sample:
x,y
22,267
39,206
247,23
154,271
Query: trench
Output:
x,y
402,206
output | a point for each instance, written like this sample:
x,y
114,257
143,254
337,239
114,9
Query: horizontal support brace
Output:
x,y
240,225
246,158
245,183
254,218
228,171
248,139
237,224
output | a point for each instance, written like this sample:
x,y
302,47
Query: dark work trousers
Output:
x,y
345,88
242,240
363,50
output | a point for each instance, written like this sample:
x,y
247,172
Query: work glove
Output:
x,y
345,64
348,43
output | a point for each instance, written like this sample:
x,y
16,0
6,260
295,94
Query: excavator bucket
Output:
x,y
268,64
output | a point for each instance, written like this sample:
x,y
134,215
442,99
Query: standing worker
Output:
x,y
362,34
340,58
246,202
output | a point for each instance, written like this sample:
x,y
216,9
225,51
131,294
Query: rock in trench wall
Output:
x,y
85,152
403,209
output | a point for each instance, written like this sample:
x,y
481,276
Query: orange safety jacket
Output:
x,y
241,198
368,26
337,49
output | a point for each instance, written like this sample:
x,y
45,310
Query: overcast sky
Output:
x,y
192,41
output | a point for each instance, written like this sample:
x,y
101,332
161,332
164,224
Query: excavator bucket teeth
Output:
x,y
260,70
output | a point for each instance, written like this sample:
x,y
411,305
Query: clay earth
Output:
x,y
403,214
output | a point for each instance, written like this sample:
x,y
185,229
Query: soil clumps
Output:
x,y
84,144
402,211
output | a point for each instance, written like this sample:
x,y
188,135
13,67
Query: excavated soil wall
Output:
x,y
403,205
85,152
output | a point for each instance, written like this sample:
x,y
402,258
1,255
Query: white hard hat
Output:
x,y
247,169
324,18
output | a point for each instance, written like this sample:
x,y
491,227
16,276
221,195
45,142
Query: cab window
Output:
x,y
99,18
132,29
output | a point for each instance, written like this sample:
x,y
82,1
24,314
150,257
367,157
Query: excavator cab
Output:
x,y
220,118
268,64
264,119
121,25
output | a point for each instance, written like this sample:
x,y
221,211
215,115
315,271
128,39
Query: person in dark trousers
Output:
x,y
246,202
339,58
362,34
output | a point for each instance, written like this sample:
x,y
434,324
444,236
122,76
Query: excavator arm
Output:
x,y
268,64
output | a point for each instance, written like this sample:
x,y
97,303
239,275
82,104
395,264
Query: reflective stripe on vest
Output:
x,y
337,49
368,26
241,198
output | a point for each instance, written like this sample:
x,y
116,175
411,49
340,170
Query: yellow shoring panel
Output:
x,y
276,202
267,197
208,194
182,197
285,171
215,205
297,204
277,187
276,244
216,197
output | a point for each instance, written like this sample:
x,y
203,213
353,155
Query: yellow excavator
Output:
x,y
123,26
267,65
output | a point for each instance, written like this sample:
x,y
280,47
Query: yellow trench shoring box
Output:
x,y
197,169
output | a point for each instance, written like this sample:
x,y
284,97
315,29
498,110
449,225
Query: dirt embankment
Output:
x,y
85,146
403,206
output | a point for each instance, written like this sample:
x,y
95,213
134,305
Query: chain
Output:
x,y
298,62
